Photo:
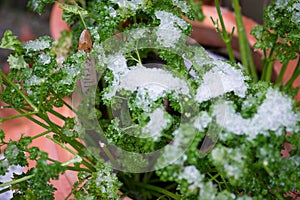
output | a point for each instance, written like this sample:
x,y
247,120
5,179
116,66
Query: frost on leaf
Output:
x,y
17,62
230,160
150,83
38,45
168,32
133,4
192,176
202,121
219,80
159,120
275,113
44,59
182,5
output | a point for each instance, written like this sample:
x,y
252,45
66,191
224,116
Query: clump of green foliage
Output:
x,y
238,156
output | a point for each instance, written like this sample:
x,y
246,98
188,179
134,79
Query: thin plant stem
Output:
x,y
268,67
41,134
282,72
223,34
84,162
17,116
246,55
159,190
62,145
25,178
35,109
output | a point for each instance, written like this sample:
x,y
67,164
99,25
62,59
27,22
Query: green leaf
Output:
x,y
10,41
71,12
17,62
39,5
2,135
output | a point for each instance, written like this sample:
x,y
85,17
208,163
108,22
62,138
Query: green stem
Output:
x,y
41,134
282,72
268,67
85,27
159,190
246,55
25,178
62,145
84,162
223,34
17,116
77,169
35,109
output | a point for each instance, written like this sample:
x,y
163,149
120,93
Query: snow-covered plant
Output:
x,y
156,117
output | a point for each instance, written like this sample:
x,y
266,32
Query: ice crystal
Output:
x,y
295,9
155,81
37,45
158,122
182,5
219,80
44,59
168,34
192,176
207,191
34,80
133,4
202,121
273,114
231,160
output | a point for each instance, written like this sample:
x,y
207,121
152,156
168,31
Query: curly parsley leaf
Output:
x,y
10,41
39,5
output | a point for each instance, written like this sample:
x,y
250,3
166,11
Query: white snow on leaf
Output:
x,y
202,121
155,81
219,80
44,59
168,34
158,122
182,5
133,4
273,114
36,45
192,176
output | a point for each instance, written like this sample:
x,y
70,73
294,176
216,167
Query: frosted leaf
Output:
x,y
159,120
34,80
232,161
207,191
182,5
219,80
192,176
16,62
37,45
44,59
112,11
9,175
295,9
168,34
118,65
133,4
155,81
94,33
274,113
202,121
